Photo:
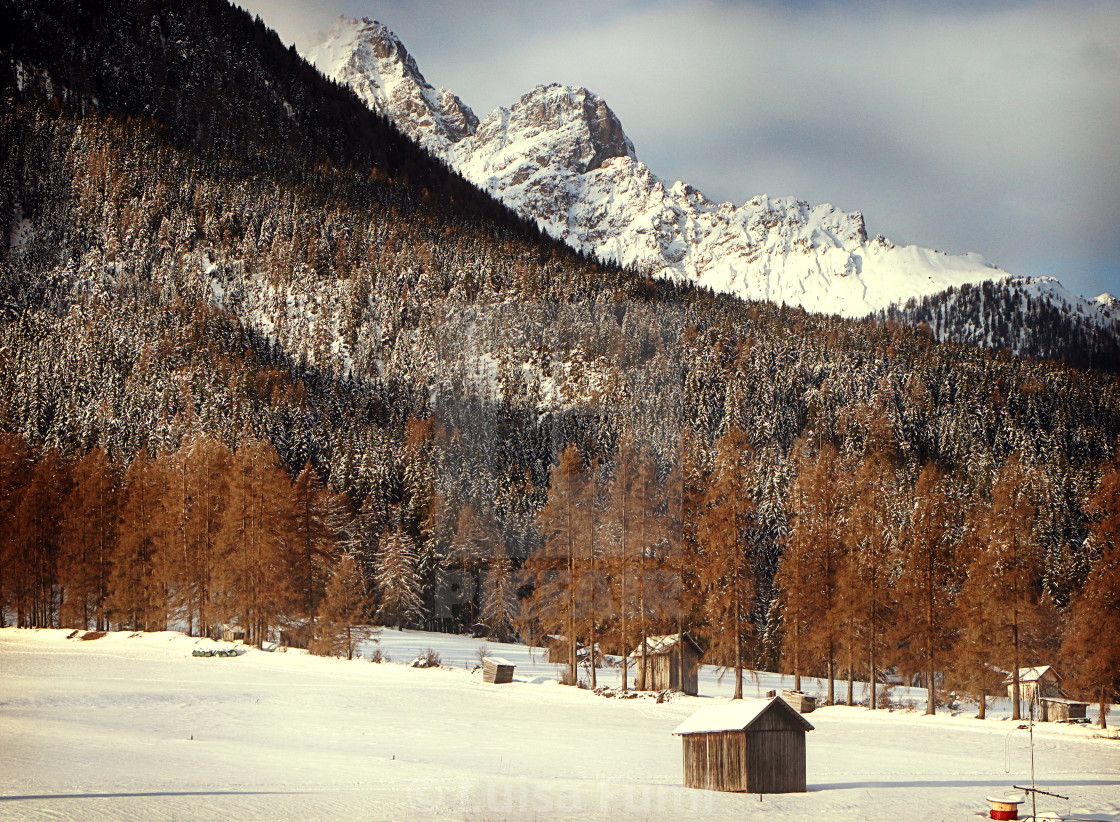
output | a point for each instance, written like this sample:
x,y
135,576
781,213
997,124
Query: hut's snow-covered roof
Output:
x,y
663,644
737,715
1062,700
497,660
1035,674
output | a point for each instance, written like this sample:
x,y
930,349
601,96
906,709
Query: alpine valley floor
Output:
x,y
132,726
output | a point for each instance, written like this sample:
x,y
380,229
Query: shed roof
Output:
x,y
497,660
1034,674
664,644
737,715
1062,701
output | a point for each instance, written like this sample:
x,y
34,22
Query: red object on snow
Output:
x,y
1005,807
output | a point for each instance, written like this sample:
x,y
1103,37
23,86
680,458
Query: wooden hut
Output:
x,y
752,746
557,645
1036,683
496,670
673,661
232,633
1056,709
798,700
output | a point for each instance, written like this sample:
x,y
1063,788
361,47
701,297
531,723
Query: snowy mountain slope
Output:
x,y
559,156
1034,316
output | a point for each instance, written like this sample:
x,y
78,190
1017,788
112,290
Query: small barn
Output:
x,y
751,746
1036,683
232,633
557,645
1056,709
673,661
798,700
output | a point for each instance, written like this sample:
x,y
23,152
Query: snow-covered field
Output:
x,y
135,727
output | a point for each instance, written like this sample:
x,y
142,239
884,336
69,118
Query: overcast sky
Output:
x,y
959,125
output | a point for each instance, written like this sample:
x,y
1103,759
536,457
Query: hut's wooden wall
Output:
x,y
775,761
496,673
660,674
691,681
664,672
715,761
1062,710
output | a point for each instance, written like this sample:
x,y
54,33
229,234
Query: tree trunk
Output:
x,y
871,647
1102,722
871,678
738,648
622,604
931,704
983,705
797,658
643,684
831,677
680,655
1015,714
851,677
573,671
591,656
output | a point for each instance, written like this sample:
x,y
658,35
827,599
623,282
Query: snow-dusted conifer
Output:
x,y
398,583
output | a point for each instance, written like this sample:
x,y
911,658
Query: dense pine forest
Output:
x,y
1000,316
263,360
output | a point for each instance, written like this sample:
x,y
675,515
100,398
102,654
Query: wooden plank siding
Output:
x,y
775,761
755,761
716,761
496,672
664,671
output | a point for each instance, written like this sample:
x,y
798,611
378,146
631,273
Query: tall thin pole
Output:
x,y
1030,730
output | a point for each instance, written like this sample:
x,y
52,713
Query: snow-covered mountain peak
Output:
x,y
559,156
566,130
368,57
552,110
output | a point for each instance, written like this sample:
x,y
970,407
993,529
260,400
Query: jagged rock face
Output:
x,y
559,156
1108,303
369,58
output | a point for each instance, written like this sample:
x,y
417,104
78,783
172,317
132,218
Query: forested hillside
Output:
x,y
222,273
1025,316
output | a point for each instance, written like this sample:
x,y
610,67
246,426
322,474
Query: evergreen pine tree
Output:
x,y
499,601
398,583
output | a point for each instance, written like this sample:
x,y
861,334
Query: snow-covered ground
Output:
x,y
135,727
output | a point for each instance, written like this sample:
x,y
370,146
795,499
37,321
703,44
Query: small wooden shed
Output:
x,y
673,661
752,746
557,645
1056,709
798,700
1036,683
233,633
496,670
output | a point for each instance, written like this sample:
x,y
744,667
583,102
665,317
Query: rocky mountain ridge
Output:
x,y
559,156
